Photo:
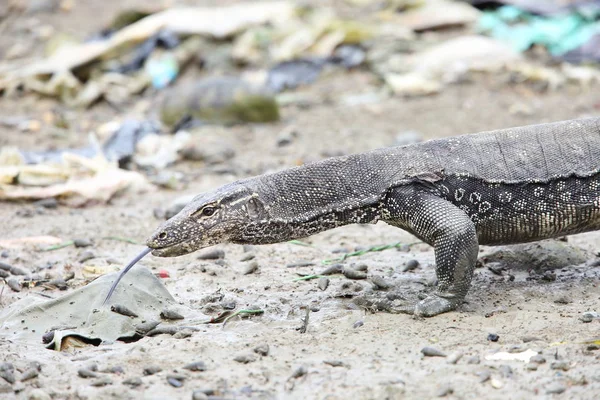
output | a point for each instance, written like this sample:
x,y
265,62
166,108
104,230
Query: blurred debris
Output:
x,y
291,74
159,151
434,14
222,100
122,143
541,7
560,33
449,62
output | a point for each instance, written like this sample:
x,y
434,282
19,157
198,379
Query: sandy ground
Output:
x,y
346,352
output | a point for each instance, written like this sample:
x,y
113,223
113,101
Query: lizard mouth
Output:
x,y
174,250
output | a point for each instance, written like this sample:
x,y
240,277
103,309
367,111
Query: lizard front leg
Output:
x,y
451,233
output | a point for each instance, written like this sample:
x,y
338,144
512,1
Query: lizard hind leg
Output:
x,y
454,238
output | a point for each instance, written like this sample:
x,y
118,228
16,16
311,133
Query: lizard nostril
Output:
x,y
162,235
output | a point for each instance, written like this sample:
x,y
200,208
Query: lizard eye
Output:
x,y
207,211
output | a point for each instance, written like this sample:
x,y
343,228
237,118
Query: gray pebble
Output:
x,y
183,333
212,254
531,366
82,242
197,366
484,375
473,360
58,283
104,381
8,376
262,349
351,273
505,370
537,359
361,267
358,324
228,305
444,391
555,388
115,369
432,352
48,337
588,316
133,382
175,380
170,314
380,283
4,274
18,271
29,374
299,372
454,357
248,257
49,203
39,394
300,264
527,339
199,395
250,268
145,327
5,267
245,358
323,283
14,284
86,373
86,256
332,269
152,369
410,266
334,363
562,365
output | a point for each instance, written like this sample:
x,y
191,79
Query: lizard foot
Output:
x,y
429,307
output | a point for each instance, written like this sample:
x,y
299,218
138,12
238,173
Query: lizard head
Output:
x,y
210,218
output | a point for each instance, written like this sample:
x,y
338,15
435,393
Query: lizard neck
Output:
x,y
276,230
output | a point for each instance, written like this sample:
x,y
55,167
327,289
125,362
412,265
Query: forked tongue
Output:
x,y
127,268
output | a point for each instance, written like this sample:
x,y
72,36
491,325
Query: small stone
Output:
x,y
39,394
358,324
492,337
82,242
116,369
29,374
506,371
262,349
323,283
58,283
496,383
245,358
537,359
410,266
49,203
380,283
561,365
133,382
432,352
332,269
360,267
588,316
184,333
531,366
299,372
103,381
527,339
152,369
170,314
8,376
299,264
145,327
351,273
250,268
174,381
196,366
86,256
444,391
334,363
86,373
212,254
555,388
199,395
4,274
473,360
18,271
483,375
454,357
248,257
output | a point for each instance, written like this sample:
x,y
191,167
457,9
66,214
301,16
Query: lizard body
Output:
x,y
499,187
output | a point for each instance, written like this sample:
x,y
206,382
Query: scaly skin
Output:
x,y
508,186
